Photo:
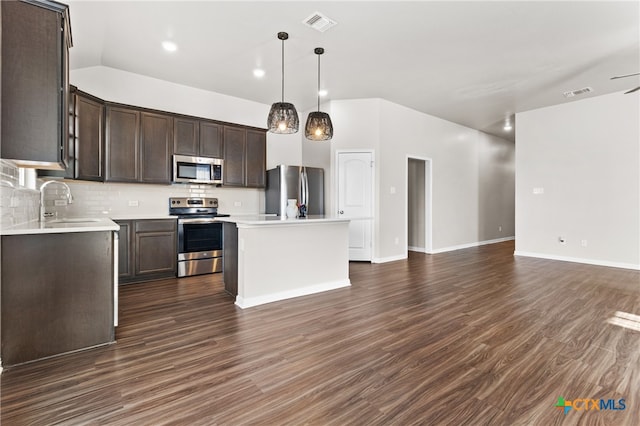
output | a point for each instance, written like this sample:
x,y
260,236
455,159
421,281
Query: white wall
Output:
x,y
473,174
586,156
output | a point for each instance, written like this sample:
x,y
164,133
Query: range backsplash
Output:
x,y
94,199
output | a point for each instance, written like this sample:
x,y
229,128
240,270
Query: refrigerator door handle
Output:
x,y
303,186
301,179
306,188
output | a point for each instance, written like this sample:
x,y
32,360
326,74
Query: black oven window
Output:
x,y
194,171
202,237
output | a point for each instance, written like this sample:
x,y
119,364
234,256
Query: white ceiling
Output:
x,y
472,63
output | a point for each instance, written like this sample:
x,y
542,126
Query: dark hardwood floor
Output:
x,y
472,337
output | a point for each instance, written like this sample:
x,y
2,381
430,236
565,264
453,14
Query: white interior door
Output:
x,y
355,200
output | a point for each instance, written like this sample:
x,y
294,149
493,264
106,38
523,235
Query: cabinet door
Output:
x,y
122,143
156,147
211,139
125,251
186,136
155,253
155,246
89,144
256,159
33,71
235,139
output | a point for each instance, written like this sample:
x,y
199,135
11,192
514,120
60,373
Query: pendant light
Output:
x,y
319,126
283,117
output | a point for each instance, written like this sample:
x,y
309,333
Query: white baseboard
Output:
x,y
290,294
418,249
388,259
469,245
578,260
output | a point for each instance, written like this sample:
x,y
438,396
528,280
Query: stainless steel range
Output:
x,y
199,235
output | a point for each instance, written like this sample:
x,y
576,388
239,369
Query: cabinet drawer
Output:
x,y
161,225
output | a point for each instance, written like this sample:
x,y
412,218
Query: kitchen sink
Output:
x,y
74,220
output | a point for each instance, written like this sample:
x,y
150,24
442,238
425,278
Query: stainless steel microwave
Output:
x,y
197,169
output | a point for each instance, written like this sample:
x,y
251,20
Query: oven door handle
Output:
x,y
197,220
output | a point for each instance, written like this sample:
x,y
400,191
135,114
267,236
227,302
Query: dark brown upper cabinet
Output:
x,y
211,137
245,154
186,136
138,145
197,138
36,37
88,131
122,135
156,146
256,159
235,145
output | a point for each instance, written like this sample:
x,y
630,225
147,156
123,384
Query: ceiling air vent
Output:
x,y
573,93
319,22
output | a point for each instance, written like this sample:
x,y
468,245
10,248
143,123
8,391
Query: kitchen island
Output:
x,y
270,258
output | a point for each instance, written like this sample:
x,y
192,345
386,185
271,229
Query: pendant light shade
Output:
x,y
283,117
319,126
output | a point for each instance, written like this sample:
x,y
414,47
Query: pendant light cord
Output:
x,y
318,83
282,70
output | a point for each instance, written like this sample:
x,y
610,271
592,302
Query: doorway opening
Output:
x,y
419,204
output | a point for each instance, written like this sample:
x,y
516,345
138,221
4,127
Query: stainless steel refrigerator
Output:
x,y
305,184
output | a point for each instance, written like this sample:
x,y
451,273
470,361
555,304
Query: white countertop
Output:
x,y
141,217
272,220
62,225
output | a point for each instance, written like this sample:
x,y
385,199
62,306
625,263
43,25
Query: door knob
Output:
x,y
341,212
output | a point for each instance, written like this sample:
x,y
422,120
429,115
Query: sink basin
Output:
x,y
74,220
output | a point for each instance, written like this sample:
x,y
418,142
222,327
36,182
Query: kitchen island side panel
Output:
x,y
287,260
56,295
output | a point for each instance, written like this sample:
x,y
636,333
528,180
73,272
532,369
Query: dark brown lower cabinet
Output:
x,y
230,258
57,294
147,249
125,254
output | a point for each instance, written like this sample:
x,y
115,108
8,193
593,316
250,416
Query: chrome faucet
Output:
x,y
43,213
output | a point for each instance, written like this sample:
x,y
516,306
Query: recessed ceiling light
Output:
x,y
258,73
322,92
169,46
507,127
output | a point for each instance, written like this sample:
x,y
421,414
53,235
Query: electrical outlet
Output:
x,y
133,203
392,190
500,228
538,191
584,243
397,241
237,203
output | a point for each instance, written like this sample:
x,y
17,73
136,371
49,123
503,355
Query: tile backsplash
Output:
x,y
94,199
20,201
